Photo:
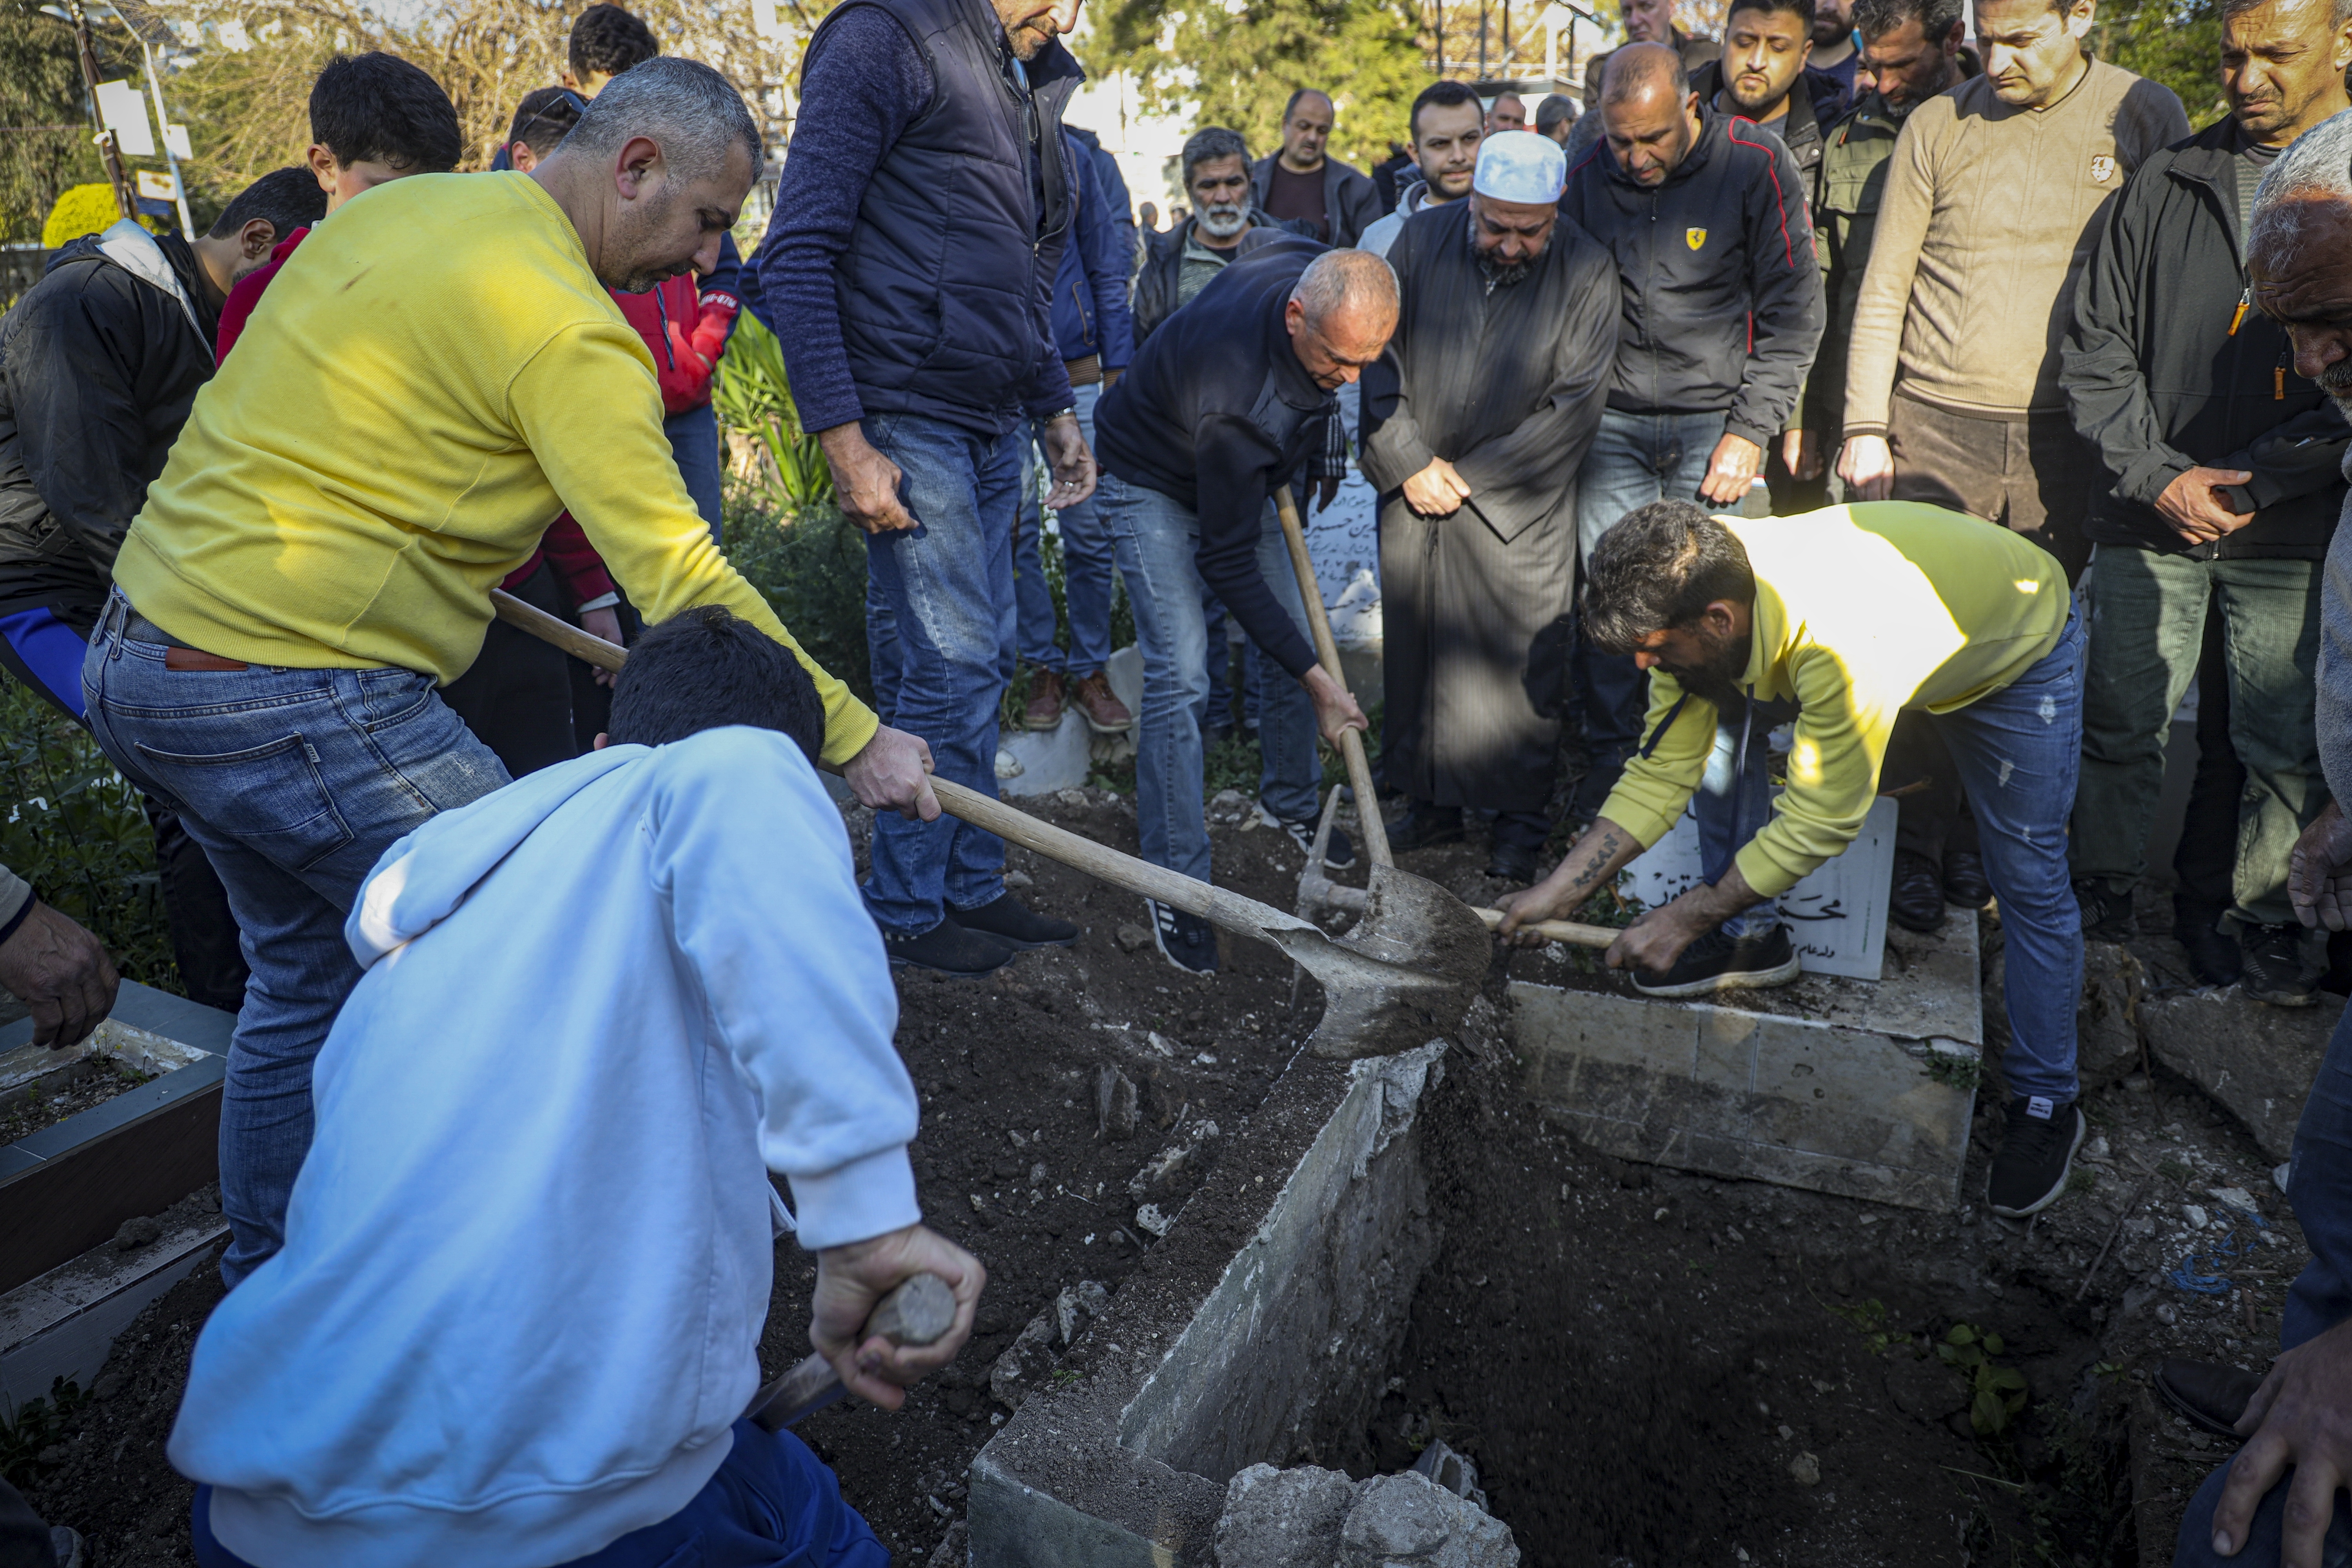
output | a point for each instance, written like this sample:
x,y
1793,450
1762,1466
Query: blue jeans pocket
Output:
x,y
269,797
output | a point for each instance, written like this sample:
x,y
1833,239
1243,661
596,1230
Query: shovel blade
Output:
x,y
1415,961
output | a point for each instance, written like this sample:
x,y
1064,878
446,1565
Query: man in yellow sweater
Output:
x,y
1857,613
438,373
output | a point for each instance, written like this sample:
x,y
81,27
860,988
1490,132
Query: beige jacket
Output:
x,y
1989,215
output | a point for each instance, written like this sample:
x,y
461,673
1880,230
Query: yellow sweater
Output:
x,y
431,378
1861,611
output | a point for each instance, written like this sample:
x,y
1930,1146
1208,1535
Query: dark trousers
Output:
x,y
517,695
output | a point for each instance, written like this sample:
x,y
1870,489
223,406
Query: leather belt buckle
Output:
x,y
188,658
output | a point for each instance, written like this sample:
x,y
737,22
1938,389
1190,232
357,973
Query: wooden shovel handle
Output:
x,y
1352,741
918,1312
1575,933
1217,905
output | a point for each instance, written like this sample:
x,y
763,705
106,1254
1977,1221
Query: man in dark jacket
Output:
x,y
1096,337
908,271
1306,185
1763,76
1229,400
2222,490
1117,201
1225,225
1721,312
1647,22
1476,422
99,363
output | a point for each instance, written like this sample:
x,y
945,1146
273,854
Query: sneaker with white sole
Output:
x,y
2037,1155
1721,962
1339,855
1186,941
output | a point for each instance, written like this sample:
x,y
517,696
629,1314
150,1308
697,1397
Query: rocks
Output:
x,y
137,1232
1130,937
1805,1470
2256,1061
1923,1390
2196,1216
1077,1306
1149,1218
2106,1019
1115,1103
1024,1364
1229,807
1298,1518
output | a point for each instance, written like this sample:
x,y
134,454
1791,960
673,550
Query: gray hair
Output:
x,y
2339,13
689,110
2317,166
1341,279
1211,144
1556,109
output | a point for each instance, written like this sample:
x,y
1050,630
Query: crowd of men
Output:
x,y
2074,379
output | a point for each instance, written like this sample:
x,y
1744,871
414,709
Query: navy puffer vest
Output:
x,y
944,285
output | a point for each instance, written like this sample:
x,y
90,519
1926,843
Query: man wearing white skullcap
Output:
x,y
1477,420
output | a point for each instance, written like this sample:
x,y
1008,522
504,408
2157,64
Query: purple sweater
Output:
x,y
859,94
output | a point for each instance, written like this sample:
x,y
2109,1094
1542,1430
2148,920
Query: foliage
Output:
x,y
75,830
83,209
1996,1393
33,1427
1955,1072
811,567
1236,64
752,394
2176,42
1868,1318
47,135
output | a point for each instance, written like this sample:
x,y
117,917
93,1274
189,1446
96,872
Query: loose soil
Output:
x,y
1634,1357
94,1081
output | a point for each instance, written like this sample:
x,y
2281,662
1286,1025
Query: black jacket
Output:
x,y
1155,284
1816,98
1217,411
1722,297
99,366
2157,383
1352,203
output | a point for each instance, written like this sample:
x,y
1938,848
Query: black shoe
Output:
x,y
2037,1154
1719,963
1424,826
1916,902
1011,920
1188,941
1964,879
2212,1395
2214,955
1512,863
949,947
2106,917
1339,855
2274,971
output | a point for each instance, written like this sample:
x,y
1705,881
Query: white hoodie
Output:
x,y
1379,235
527,1260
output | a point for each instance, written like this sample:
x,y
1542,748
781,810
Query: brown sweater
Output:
x,y
1989,215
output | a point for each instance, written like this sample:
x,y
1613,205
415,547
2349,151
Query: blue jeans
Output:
x,y
935,598
1086,561
1158,545
1734,801
771,1504
1635,458
694,441
2319,1188
294,781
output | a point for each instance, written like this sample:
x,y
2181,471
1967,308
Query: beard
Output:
x,y
1716,678
1503,274
2336,381
1222,220
632,267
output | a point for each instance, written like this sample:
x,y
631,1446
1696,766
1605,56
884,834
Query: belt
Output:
x,y
139,628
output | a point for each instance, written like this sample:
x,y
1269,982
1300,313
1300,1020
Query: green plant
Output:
x,y
76,829
811,570
1955,1072
33,1428
1868,1318
1996,1393
751,394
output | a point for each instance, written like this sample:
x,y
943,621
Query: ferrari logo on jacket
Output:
x,y
2103,168
1695,237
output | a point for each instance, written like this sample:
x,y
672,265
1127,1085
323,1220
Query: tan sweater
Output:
x,y
1989,214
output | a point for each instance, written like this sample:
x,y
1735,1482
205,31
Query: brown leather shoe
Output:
x,y
1048,696
2212,1395
1100,705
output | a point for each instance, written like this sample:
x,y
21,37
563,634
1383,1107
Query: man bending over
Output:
x,y
518,1311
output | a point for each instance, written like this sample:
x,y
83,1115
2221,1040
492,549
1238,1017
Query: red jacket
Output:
x,y
565,545
685,322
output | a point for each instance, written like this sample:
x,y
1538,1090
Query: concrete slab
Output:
x,y
1261,1323
2256,1061
63,1323
1849,1087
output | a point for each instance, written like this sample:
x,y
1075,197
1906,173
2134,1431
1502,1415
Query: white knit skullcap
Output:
x,y
1520,166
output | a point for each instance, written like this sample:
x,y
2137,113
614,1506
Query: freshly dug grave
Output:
x,y
1008,1068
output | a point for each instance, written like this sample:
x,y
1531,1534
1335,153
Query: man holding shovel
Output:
x,y
1223,404
388,442
1858,613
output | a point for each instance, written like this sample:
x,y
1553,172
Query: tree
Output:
x,y
2176,42
46,131
1218,62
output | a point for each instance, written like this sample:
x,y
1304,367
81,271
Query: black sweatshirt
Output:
x,y
1213,414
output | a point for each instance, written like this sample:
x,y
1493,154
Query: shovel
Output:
x,y
1388,985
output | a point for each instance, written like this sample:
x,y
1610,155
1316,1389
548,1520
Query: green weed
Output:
x,y
1996,1393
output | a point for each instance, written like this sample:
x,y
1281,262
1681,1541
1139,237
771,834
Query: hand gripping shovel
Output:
x,y
1388,985
916,1314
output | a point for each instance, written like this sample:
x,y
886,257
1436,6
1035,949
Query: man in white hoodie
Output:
x,y
527,1259
1447,125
